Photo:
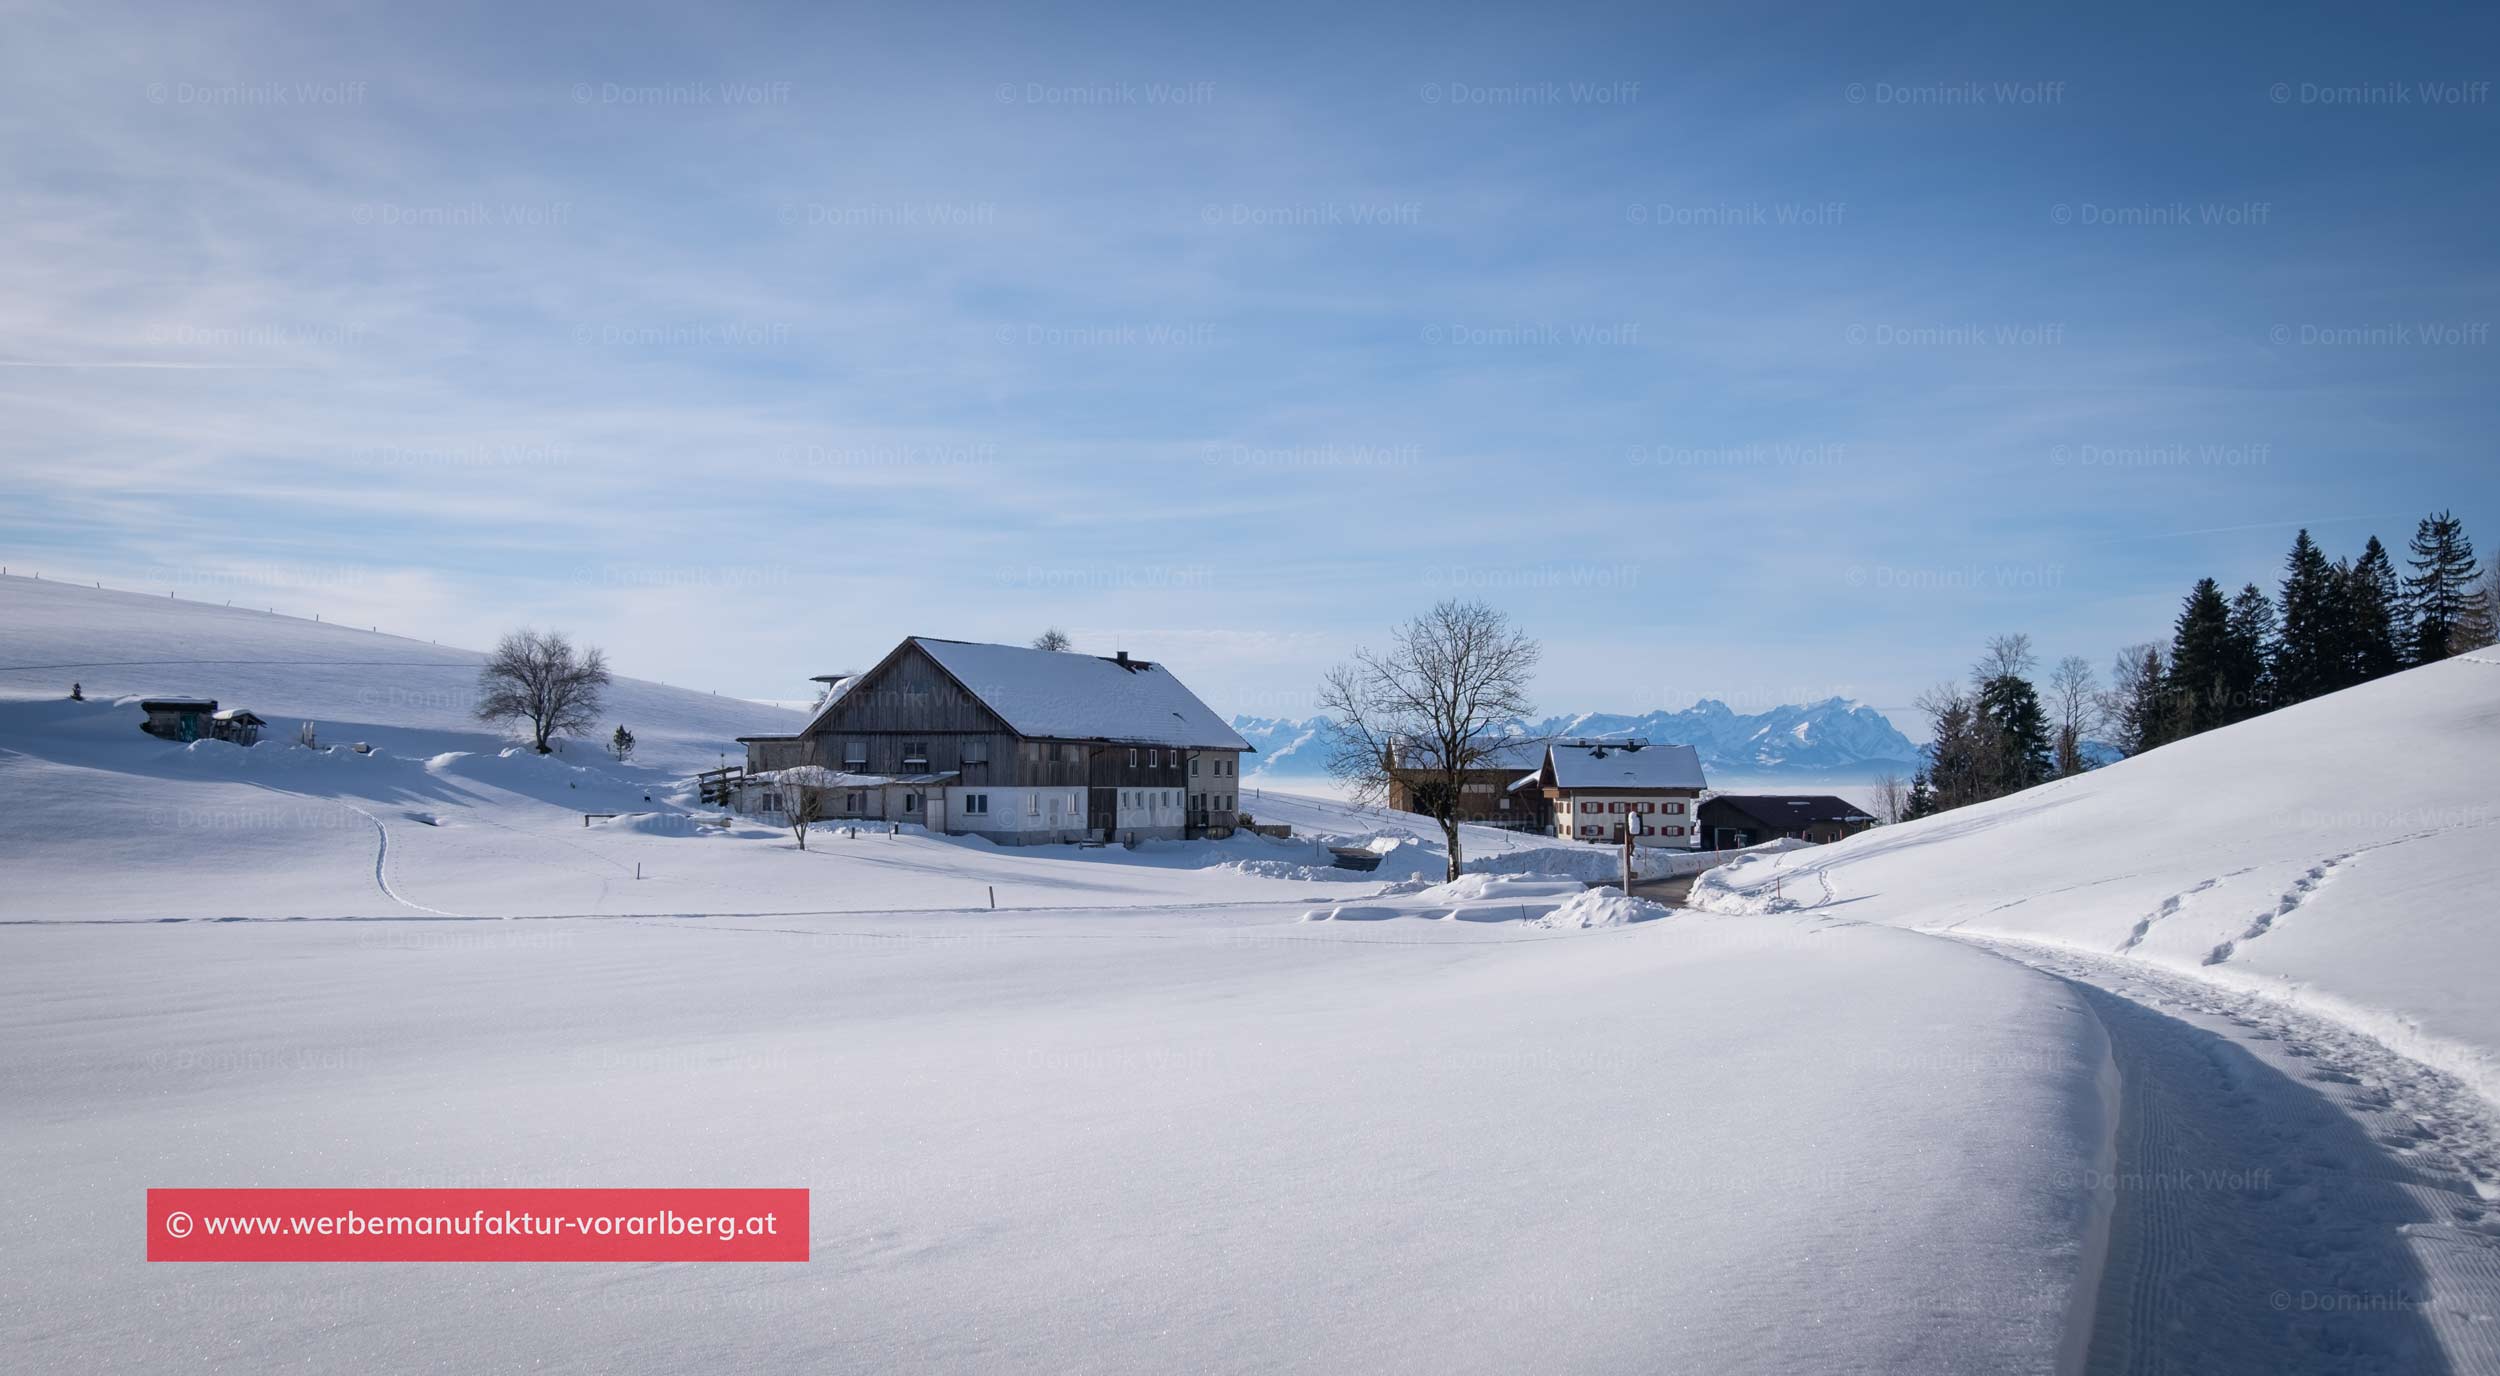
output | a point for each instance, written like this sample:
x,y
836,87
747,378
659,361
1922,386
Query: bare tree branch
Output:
x,y
540,680
2075,700
1438,703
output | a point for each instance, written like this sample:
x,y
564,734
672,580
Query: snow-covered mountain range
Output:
x,y
1834,738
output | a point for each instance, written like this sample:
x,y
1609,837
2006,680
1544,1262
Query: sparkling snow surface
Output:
x,y
1219,1106
1143,1117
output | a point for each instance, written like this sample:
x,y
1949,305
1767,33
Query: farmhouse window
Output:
x,y
911,802
1132,757
976,751
916,755
1642,807
1676,808
855,756
1193,766
1032,804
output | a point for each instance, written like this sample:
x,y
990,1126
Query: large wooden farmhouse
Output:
x,y
1018,745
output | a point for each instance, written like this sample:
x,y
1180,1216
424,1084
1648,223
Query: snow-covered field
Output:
x,y
1200,1106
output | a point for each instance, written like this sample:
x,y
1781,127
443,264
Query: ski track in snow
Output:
x,y
381,862
381,849
2289,1195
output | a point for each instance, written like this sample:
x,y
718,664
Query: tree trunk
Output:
x,y
1449,833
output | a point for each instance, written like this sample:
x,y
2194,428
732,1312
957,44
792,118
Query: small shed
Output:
x,y
180,719
237,724
197,719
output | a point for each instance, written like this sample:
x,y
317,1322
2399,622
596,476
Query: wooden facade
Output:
x,y
941,757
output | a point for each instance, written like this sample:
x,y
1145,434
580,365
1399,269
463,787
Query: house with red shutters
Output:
x,y
1603,791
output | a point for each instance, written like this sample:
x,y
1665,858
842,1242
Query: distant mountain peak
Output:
x,y
1835,738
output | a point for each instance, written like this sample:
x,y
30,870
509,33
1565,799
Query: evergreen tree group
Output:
x,y
2333,625
2328,626
1990,738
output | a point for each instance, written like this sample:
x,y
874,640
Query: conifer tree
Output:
x,y
2248,664
2305,661
2441,584
2135,704
1961,759
1922,798
2010,708
2479,627
2200,661
2013,725
2371,596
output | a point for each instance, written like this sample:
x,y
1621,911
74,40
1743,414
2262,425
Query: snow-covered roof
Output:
x,y
1068,696
1627,766
835,690
1489,753
1793,809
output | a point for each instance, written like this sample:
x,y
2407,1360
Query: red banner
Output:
x,y
477,1225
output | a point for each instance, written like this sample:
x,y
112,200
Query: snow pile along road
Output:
x,y
1605,908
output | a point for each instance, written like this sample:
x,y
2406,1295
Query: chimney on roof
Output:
x,y
1122,657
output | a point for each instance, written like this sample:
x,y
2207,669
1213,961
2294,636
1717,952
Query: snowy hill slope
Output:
x,y
358,685
2337,855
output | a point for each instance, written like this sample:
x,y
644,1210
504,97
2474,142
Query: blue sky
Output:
x,y
1756,354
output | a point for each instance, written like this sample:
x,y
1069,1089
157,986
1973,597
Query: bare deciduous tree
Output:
x,y
2008,656
1434,705
1892,797
542,680
1053,639
803,789
2075,701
